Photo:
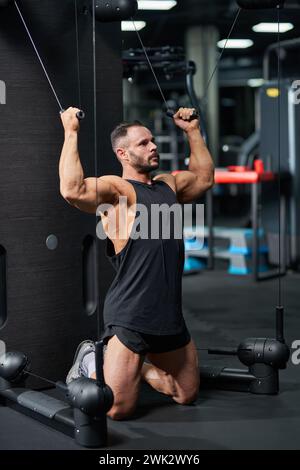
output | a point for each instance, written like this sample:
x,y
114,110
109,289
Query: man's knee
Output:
x,y
118,413
121,412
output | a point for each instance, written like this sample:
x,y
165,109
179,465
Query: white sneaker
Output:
x,y
83,349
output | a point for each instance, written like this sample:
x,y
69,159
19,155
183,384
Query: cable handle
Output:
x,y
80,114
170,113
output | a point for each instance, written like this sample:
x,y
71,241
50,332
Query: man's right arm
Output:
x,y
84,193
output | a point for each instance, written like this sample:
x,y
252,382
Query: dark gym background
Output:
x,y
46,313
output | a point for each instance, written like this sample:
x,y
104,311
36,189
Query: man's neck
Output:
x,y
142,178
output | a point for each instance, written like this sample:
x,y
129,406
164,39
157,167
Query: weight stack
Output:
x,y
48,301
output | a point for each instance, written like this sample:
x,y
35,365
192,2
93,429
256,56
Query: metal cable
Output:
x,y
41,378
150,65
38,56
222,52
279,156
77,53
96,164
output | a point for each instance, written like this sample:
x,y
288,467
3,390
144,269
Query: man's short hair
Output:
x,y
121,130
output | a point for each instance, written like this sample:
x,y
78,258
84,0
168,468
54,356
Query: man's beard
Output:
x,y
142,167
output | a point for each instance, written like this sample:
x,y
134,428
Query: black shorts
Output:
x,y
141,343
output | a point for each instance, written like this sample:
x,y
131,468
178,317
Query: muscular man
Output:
x,y
143,307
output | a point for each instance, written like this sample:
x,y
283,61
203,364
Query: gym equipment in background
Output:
x,y
288,131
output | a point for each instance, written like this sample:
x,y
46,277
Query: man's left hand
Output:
x,y
181,119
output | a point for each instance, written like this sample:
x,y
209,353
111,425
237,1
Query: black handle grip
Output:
x,y
80,114
170,113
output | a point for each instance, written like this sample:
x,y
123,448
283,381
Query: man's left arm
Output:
x,y
191,184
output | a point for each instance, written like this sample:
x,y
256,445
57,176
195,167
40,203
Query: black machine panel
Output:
x,y
289,138
43,292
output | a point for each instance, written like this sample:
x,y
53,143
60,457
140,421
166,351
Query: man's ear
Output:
x,y
121,154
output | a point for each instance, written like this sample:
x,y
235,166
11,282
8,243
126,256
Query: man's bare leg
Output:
x,y
122,373
175,373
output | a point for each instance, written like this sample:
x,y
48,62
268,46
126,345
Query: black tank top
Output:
x,y
146,294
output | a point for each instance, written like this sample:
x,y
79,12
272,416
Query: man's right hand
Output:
x,y
69,120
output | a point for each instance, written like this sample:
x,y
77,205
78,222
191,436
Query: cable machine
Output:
x,y
85,402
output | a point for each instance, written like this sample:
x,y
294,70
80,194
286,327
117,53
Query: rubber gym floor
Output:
x,y
220,310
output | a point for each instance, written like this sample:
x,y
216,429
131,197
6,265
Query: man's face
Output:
x,y
141,149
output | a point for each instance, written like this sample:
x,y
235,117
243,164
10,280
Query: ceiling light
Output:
x,y
255,82
235,43
156,4
272,27
129,26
